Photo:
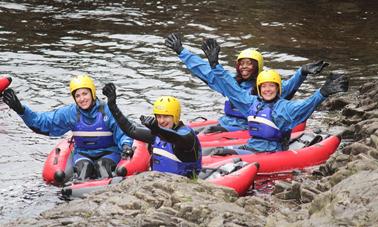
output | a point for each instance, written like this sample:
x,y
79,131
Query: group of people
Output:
x,y
258,101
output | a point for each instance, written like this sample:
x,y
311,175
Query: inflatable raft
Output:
x,y
80,190
214,137
309,149
234,174
4,83
233,140
58,168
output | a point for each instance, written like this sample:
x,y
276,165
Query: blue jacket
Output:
x,y
201,69
64,119
286,114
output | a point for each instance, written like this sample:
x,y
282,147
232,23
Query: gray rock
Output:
x,y
154,199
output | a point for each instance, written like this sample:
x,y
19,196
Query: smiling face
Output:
x,y
165,121
83,98
247,68
268,90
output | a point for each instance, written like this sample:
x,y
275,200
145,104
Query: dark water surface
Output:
x,y
44,43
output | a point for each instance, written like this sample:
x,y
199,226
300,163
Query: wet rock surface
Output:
x,y
344,190
156,199
341,192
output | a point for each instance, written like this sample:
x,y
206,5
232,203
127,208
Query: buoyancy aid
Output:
x,y
164,160
260,122
231,111
95,135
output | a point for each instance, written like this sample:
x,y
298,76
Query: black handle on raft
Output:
x,y
202,118
57,151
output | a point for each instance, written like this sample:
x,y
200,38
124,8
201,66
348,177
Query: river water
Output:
x,y
44,43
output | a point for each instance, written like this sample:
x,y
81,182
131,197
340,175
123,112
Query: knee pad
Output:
x,y
84,169
105,167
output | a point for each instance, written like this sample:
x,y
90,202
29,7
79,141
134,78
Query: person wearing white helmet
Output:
x,y
249,64
98,140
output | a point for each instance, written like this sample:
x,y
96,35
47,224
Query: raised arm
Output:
x,y
196,65
184,140
129,128
52,123
225,83
300,110
290,86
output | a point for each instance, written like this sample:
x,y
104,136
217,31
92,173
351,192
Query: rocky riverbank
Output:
x,y
342,192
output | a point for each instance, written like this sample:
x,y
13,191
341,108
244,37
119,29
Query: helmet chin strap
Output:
x,y
93,104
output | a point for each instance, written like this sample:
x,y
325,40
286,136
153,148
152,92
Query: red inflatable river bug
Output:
x,y
4,83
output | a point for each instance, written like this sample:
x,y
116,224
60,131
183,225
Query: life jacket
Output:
x,y
231,111
95,135
260,123
164,160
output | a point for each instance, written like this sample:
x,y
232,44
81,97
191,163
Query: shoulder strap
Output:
x,y
77,114
101,108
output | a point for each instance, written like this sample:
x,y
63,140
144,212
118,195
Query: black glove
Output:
x,y
150,122
127,151
211,49
10,98
109,90
173,41
335,83
313,68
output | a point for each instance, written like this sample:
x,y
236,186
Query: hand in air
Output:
x,y
109,90
10,98
314,68
211,49
173,41
335,83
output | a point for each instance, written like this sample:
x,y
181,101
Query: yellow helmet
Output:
x,y
168,105
269,76
83,81
252,54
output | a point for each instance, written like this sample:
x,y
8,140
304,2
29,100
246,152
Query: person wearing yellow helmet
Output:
x,y
98,140
269,79
270,117
175,147
167,110
249,63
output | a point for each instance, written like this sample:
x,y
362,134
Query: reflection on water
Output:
x,y
44,43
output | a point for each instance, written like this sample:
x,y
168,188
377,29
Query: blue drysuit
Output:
x,y
201,69
286,114
64,119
